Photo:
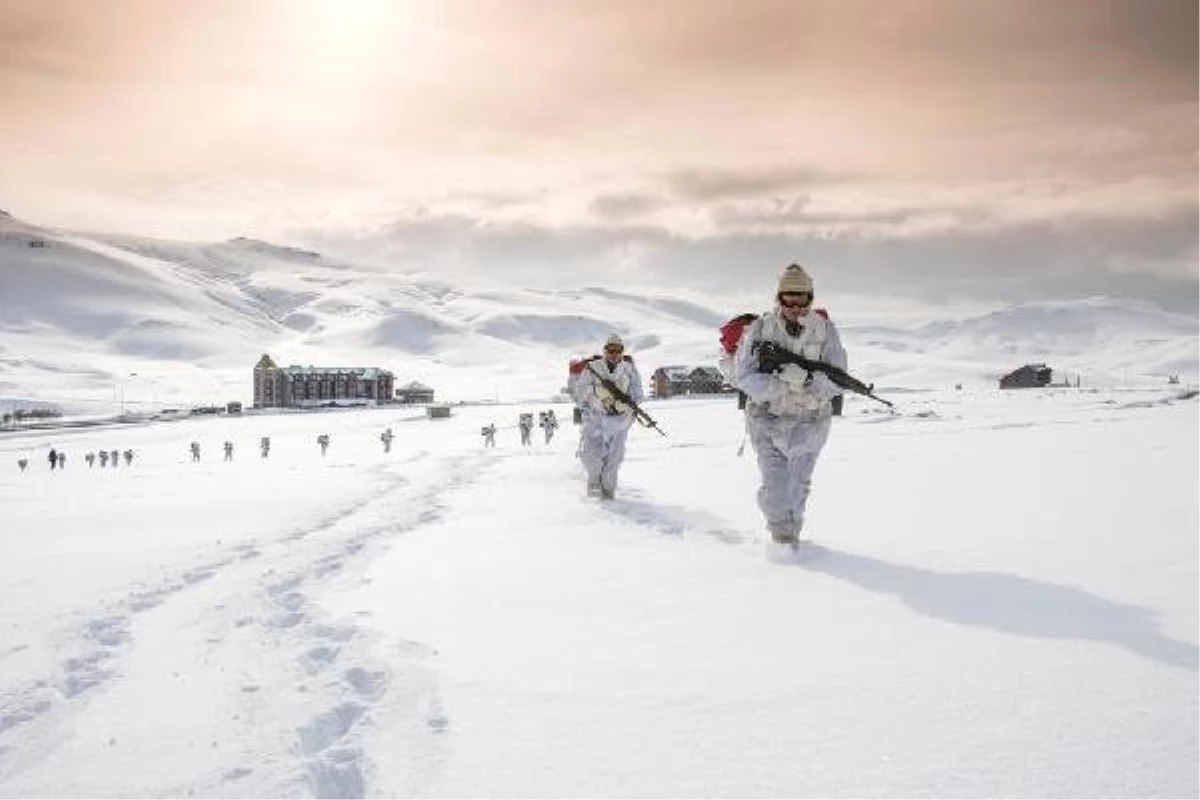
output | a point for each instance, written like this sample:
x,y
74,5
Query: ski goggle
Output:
x,y
795,300
613,348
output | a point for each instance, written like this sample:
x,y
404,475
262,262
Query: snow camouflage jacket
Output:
x,y
769,394
595,398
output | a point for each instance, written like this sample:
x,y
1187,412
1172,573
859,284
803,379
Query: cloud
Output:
x,y
624,141
1153,259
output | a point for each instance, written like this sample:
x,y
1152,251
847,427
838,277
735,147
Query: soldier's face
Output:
x,y
794,305
613,353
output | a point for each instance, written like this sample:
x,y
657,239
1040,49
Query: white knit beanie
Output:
x,y
614,339
794,280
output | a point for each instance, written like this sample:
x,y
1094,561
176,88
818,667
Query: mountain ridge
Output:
x,y
199,314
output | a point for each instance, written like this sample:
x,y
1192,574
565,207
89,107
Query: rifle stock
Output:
x,y
621,396
771,357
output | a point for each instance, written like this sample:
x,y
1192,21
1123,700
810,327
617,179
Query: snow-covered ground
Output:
x,y
1002,602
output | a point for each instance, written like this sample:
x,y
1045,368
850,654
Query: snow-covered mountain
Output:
x,y
1100,340
93,317
79,312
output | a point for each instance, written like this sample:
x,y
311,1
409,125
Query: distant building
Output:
x,y
305,387
670,381
1030,376
414,392
680,380
705,380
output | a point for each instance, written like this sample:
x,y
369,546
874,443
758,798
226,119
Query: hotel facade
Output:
x,y
308,387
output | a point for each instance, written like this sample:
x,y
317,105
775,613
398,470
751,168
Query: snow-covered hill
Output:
x,y
1100,340
90,318
194,317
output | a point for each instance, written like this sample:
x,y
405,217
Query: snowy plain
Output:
x,y
1000,601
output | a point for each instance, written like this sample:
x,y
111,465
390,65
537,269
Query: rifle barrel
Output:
x,y
622,396
776,356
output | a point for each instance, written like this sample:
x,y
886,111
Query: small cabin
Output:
x,y
1030,376
437,412
670,381
413,393
705,380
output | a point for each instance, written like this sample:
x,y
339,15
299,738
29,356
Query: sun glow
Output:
x,y
336,44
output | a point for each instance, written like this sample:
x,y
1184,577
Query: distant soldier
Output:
x,y
62,459
525,425
103,458
264,446
229,451
323,441
548,423
22,463
386,437
575,369
606,419
128,457
53,456
113,457
195,448
90,458
489,434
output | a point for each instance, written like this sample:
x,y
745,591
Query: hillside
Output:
x,y
87,318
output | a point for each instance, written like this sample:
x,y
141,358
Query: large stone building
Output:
x,y
305,387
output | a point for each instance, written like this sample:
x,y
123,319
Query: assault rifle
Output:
x,y
772,356
621,397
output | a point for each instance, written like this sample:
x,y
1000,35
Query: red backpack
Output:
x,y
731,331
731,337
575,368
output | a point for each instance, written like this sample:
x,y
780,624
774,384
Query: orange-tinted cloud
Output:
x,y
702,117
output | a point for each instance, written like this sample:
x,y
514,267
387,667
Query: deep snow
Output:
x,y
1002,602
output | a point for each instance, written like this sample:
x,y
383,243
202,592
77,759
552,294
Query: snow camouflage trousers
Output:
x,y
602,448
787,449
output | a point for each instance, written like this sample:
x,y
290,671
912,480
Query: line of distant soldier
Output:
x,y
58,458
547,421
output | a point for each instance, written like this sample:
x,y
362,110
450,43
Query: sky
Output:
x,y
974,619
925,148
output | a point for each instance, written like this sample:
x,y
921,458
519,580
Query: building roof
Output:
x,y
415,386
675,372
1029,368
363,373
